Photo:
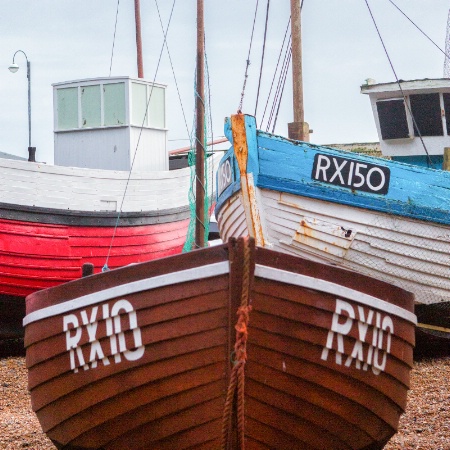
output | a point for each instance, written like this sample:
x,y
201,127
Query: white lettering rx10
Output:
x,y
86,324
351,174
224,176
373,329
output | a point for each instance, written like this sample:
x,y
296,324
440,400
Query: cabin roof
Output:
x,y
113,79
429,84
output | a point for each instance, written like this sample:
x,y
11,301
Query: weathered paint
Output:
x,y
241,151
400,235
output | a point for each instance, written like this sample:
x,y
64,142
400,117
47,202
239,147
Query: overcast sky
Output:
x,y
72,39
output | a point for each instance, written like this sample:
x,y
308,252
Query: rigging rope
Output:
x,y
428,37
173,70
105,267
114,38
275,72
429,162
262,56
286,69
280,85
248,60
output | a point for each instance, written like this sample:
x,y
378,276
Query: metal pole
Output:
x,y
299,129
14,68
200,132
137,15
29,102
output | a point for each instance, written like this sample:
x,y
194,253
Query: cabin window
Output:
x,y
447,111
97,110
392,117
67,104
139,102
114,104
141,94
156,112
426,110
91,107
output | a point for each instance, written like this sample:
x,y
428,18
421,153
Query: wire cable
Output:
x,y
429,162
248,59
114,38
262,56
105,267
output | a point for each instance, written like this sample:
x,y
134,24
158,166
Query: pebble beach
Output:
x,y
424,426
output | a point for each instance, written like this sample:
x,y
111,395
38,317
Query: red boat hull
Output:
x,y
36,256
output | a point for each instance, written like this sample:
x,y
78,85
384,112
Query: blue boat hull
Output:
x,y
383,218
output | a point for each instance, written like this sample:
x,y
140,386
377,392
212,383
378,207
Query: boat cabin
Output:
x,y
412,119
100,122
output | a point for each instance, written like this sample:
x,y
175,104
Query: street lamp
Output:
x,y
14,68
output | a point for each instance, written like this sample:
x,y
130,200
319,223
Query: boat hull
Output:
x,y
398,232
55,219
143,356
41,255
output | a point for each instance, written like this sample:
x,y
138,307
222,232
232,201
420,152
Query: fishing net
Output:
x,y
208,170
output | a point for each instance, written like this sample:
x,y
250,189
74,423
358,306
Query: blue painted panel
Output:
x,y
235,184
413,191
421,160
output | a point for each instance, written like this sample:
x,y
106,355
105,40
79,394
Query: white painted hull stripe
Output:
x,y
182,276
333,289
213,270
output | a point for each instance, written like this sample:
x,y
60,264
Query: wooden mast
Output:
x,y
137,15
298,129
200,132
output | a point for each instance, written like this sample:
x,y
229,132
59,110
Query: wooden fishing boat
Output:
x,y
115,196
92,205
53,219
384,218
155,355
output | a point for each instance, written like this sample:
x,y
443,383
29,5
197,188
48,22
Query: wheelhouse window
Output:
x,y
446,97
426,110
392,117
152,97
91,106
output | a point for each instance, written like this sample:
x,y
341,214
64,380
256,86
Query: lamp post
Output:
x,y
14,68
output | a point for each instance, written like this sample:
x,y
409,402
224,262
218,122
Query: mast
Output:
x,y
200,132
137,15
299,129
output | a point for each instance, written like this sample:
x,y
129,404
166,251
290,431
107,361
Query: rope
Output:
x,y
429,162
281,84
426,35
288,61
237,379
276,71
262,56
248,60
173,70
114,38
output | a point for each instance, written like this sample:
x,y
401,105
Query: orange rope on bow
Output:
x,y
237,378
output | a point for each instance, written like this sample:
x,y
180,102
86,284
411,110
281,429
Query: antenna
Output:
x,y
447,50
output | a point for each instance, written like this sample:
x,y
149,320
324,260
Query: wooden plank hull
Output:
x,y
54,219
36,256
397,232
143,356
